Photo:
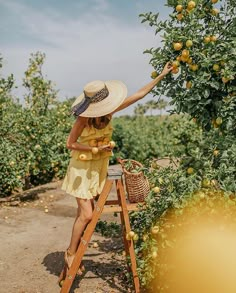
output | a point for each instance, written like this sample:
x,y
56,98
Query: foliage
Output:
x,y
174,186
214,158
142,109
110,229
142,138
41,94
206,60
6,124
171,190
33,137
199,40
33,148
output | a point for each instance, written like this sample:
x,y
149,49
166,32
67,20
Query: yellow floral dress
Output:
x,y
86,178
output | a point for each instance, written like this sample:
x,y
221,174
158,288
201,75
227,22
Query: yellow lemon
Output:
x,y
95,150
179,8
177,46
189,43
112,144
83,157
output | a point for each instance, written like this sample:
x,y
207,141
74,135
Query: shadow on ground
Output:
x,y
64,211
112,270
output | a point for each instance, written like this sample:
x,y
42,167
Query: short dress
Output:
x,y
86,178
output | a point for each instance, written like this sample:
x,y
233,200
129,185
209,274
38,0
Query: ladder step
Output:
x,y
118,209
114,174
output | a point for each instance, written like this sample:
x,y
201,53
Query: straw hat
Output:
x,y
99,98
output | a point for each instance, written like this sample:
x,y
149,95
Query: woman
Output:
x,y
87,170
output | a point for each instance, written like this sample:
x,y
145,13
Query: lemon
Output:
x,y
179,8
95,245
190,170
189,43
112,144
177,46
83,157
94,150
156,189
154,74
155,230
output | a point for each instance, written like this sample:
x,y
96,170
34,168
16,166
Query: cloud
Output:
x,y
94,45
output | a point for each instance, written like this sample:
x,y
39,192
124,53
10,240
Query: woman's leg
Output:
x,y
84,216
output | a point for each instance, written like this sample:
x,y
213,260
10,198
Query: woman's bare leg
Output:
x,y
84,216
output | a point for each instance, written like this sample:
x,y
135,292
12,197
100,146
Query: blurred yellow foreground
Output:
x,y
197,248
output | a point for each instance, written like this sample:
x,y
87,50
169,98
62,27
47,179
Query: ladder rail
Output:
x,y
130,243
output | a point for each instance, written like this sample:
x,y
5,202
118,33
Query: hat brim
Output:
x,y
117,94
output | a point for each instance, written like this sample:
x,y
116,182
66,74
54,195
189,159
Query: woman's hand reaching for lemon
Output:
x,y
167,68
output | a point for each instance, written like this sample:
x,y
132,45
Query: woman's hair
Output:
x,y
103,120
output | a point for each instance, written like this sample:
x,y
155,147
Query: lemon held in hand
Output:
x,y
112,144
95,150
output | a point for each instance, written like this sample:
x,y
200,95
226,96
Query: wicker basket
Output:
x,y
137,185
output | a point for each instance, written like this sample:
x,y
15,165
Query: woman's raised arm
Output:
x,y
144,90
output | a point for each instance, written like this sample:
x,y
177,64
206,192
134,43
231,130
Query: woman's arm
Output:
x,y
144,90
75,132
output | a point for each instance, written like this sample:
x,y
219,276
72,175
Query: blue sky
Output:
x,y
83,40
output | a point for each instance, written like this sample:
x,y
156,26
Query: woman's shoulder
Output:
x,y
80,122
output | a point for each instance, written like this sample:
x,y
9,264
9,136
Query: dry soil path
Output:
x,y
33,242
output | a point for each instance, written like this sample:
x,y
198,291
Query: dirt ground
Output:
x,y
34,235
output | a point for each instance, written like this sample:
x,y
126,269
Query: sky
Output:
x,y
83,40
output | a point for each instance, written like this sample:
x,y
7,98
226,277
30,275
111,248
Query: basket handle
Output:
x,y
120,161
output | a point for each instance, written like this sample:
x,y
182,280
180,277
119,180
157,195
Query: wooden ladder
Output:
x,y
120,205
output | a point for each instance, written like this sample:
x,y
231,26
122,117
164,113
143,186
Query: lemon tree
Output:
x,y
176,199
33,149
199,40
40,91
8,110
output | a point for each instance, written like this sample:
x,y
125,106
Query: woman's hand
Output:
x,y
167,68
105,148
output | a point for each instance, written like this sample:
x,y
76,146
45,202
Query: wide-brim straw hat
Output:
x,y
99,98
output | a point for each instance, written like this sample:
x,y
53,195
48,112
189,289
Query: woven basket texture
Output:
x,y
137,185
